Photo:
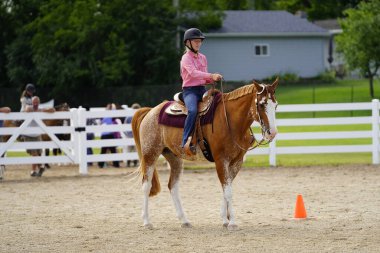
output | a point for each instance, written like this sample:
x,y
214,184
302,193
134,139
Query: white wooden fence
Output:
x,y
75,150
373,148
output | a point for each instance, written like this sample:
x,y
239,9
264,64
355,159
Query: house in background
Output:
x,y
336,59
259,44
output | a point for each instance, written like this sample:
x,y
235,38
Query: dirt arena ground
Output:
x,y
101,212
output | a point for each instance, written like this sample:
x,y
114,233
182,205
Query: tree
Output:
x,y
74,46
15,49
317,9
360,39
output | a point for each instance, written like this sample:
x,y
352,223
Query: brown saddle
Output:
x,y
179,107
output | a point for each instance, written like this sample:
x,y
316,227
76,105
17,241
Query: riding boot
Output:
x,y
189,148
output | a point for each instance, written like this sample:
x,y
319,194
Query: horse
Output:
x,y
229,137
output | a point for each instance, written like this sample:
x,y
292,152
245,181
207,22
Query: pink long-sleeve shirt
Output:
x,y
194,70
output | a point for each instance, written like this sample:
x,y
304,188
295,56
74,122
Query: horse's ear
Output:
x,y
257,85
275,83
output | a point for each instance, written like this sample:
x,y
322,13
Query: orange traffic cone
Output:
x,y
300,212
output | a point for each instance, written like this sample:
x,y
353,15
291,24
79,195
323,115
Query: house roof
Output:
x,y
269,23
330,24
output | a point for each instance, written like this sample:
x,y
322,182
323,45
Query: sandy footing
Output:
x,y
65,212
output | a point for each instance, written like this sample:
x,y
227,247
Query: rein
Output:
x,y
256,143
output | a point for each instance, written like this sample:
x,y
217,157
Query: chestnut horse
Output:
x,y
229,139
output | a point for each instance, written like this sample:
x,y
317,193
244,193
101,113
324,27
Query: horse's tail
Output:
x,y
136,122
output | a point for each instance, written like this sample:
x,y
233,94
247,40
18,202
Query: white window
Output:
x,y
261,50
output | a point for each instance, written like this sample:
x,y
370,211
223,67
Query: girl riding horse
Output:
x,y
229,139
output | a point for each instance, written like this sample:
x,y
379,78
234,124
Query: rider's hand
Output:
x,y
216,77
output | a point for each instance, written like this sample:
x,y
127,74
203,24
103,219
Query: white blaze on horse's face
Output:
x,y
267,105
270,110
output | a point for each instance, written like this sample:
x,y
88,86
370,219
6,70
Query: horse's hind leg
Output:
x,y
147,185
176,169
150,181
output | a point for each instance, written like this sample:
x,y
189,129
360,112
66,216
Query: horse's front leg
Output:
x,y
176,169
227,212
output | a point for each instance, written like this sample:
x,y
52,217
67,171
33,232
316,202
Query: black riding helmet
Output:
x,y
191,34
30,87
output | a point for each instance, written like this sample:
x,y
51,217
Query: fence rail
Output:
x,y
75,150
373,120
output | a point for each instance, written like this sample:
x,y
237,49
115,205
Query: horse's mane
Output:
x,y
239,92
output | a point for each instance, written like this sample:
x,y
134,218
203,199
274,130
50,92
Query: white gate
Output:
x,y
75,149
70,156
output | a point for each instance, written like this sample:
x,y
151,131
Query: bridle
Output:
x,y
254,142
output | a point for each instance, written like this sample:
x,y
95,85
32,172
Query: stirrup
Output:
x,y
189,149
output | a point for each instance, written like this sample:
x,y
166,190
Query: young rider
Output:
x,y
195,76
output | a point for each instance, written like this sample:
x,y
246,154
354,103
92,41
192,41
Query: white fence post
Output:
x,y
82,140
375,131
272,153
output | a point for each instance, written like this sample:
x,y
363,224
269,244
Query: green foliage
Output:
x,y
360,39
327,76
78,45
317,9
200,14
286,77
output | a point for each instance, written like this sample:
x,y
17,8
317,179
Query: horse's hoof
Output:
x,y
148,226
186,225
225,225
233,227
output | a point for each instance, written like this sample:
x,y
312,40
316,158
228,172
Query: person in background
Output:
x,y
109,135
90,135
195,76
129,134
35,137
3,110
26,96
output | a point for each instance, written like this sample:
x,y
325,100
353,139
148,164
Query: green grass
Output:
x,y
309,160
343,91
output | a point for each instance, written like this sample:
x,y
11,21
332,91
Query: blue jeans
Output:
x,y
191,96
